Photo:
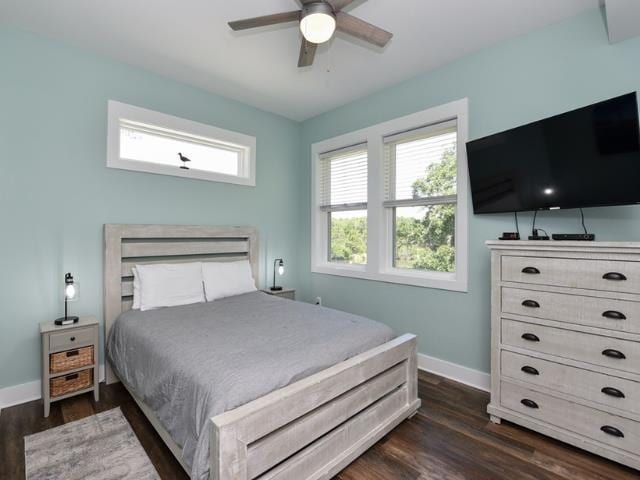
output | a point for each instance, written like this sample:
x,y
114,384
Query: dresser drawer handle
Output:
x,y
73,353
609,352
531,270
530,304
529,403
613,315
609,430
72,339
73,376
534,338
612,392
530,370
618,277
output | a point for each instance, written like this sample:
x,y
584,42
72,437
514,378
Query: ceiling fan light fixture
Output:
x,y
317,23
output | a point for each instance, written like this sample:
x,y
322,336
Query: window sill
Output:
x,y
437,280
148,167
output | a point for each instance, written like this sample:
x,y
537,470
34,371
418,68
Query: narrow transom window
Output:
x,y
153,142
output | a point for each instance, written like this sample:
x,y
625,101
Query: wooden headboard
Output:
x,y
128,245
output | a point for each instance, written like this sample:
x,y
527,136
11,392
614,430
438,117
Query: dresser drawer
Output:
x,y
596,349
607,275
607,313
607,390
71,339
622,432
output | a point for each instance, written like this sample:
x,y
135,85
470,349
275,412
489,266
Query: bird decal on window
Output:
x,y
184,161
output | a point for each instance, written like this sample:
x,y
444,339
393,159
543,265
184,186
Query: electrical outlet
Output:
x,y
318,300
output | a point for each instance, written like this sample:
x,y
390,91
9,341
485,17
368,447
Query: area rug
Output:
x,y
99,447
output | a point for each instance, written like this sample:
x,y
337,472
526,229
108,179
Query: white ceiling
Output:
x,y
622,19
188,40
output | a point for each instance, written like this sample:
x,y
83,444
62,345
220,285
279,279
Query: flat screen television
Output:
x,y
584,158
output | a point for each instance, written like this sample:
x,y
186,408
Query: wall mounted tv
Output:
x,y
584,158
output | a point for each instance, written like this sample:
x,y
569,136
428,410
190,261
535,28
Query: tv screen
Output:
x,y
584,158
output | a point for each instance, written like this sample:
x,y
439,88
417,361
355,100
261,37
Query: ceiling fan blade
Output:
x,y
364,30
265,20
307,53
338,5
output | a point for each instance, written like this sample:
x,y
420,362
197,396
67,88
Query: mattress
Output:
x,y
191,363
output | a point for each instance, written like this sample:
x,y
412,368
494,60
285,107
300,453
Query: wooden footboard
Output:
x,y
313,428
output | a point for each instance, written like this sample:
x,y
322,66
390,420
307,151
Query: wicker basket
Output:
x,y
71,359
71,383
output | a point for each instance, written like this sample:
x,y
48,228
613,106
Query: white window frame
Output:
x,y
121,111
379,232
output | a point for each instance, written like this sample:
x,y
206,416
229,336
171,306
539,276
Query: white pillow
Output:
x,y
225,279
136,289
170,284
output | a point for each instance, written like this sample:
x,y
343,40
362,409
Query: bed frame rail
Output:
x,y
313,428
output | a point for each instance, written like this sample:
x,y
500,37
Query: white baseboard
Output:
x,y
453,371
26,392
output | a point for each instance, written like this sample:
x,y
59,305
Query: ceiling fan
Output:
x,y
319,19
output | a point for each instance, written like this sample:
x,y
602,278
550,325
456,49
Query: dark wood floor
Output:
x,y
450,438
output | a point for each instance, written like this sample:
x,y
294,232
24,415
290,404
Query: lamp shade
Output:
x,y
278,266
71,288
71,293
318,23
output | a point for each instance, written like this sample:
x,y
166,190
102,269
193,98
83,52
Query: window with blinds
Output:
x,y
343,201
393,206
420,192
148,141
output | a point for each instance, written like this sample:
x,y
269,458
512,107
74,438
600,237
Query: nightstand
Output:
x,y
289,293
69,360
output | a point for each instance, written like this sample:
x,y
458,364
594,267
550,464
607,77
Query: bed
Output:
x,y
340,383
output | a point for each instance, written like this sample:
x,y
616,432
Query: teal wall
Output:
x,y
559,68
56,193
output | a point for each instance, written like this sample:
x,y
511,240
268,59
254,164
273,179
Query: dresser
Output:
x,y
69,360
565,342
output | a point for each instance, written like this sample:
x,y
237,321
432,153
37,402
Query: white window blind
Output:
x,y
408,159
343,179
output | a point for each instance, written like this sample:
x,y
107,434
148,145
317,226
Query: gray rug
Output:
x,y
99,447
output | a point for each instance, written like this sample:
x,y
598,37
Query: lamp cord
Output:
x,y
515,214
274,274
582,219
533,227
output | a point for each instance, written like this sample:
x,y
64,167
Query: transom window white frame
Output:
x,y
379,234
121,115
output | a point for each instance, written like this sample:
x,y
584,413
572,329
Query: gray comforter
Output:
x,y
193,362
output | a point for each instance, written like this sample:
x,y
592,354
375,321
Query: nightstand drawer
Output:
x,y
71,339
604,427
71,359
605,275
596,349
71,383
622,315
607,390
